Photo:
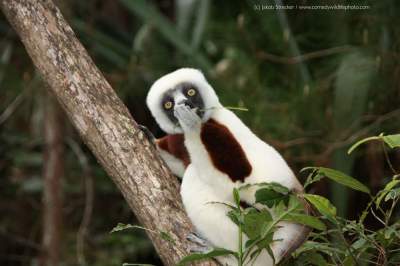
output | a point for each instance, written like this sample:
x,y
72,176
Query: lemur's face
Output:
x,y
184,90
182,94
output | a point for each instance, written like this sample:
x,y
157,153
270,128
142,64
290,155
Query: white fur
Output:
x,y
175,165
210,219
267,166
168,82
203,183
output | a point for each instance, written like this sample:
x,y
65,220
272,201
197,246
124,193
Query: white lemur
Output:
x,y
215,152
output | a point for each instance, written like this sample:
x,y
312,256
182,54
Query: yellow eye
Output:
x,y
191,92
168,105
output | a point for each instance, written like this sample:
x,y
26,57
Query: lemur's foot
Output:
x,y
201,245
197,239
148,134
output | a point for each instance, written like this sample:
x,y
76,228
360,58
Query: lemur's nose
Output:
x,y
186,102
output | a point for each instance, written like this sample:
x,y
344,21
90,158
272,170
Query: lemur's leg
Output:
x,y
210,218
200,245
288,236
197,239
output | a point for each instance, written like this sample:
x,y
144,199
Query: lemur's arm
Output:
x,y
172,150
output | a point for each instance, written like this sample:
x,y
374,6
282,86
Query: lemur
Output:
x,y
214,152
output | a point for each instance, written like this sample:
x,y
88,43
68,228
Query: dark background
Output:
x,y
313,81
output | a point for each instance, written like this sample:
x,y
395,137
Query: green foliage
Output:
x,y
335,240
258,224
393,141
338,177
201,256
323,205
161,234
349,242
146,11
270,196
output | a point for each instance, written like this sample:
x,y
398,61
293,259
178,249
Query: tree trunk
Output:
x,y
53,170
103,122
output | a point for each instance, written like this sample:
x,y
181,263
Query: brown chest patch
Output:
x,y
174,144
225,151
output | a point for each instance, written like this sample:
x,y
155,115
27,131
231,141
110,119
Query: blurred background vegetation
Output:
x,y
314,82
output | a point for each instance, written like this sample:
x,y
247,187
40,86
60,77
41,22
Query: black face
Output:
x,y
193,100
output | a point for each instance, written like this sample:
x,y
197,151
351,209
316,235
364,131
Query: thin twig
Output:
x,y
293,46
10,109
377,217
304,57
22,241
89,195
359,134
385,152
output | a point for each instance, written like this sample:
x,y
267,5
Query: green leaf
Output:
x,y
200,256
271,253
149,13
359,243
313,177
311,258
308,220
254,222
235,216
295,204
269,197
343,179
349,261
322,204
222,203
270,185
321,247
201,21
388,187
166,236
277,187
393,141
358,143
393,194
121,226
162,234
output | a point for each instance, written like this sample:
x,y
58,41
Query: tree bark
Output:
x,y
103,122
53,170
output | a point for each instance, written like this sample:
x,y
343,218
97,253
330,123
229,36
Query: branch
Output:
x,y
53,171
304,57
103,122
89,195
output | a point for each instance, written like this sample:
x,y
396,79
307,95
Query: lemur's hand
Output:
x,y
148,134
187,117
